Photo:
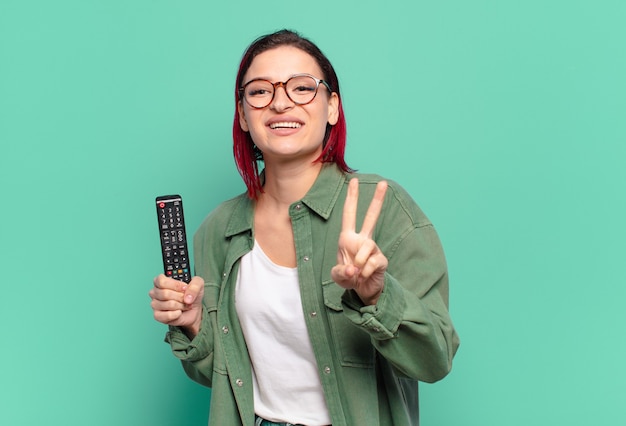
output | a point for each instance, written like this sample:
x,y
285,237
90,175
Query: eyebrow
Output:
x,y
270,80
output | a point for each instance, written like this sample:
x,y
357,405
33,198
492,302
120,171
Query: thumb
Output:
x,y
344,275
194,290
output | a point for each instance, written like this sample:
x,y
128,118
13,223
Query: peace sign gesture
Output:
x,y
361,265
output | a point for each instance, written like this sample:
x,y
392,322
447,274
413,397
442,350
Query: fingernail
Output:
x,y
188,298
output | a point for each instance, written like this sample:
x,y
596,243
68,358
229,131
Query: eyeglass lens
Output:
x,y
300,89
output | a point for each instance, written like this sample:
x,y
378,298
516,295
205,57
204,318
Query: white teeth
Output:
x,y
289,125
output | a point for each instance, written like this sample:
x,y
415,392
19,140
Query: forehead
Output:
x,y
280,63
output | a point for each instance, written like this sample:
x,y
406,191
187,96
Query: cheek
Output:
x,y
325,118
256,130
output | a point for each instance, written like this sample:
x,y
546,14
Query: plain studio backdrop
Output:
x,y
505,120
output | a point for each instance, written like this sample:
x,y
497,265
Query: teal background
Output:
x,y
504,119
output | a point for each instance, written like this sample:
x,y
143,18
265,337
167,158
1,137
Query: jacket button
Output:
x,y
298,206
225,329
313,314
327,370
239,382
306,258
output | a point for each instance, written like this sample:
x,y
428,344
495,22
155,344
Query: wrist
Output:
x,y
370,300
193,329
190,331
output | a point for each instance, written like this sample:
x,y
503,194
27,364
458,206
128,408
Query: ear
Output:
x,y
333,108
242,118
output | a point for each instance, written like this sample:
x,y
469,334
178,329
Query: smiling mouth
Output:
x,y
285,125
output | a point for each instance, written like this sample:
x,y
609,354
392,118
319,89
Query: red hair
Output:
x,y
247,155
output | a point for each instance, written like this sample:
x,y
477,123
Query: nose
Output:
x,y
281,101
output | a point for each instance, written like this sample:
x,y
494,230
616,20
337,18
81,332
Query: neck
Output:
x,y
286,184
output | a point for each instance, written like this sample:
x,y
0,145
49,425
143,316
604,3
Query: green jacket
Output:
x,y
370,358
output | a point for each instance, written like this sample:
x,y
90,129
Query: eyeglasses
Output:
x,y
301,89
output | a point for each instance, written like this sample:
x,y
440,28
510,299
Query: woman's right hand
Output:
x,y
177,303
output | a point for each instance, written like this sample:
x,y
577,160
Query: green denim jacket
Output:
x,y
370,358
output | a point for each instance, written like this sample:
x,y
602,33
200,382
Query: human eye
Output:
x,y
302,85
304,89
257,92
258,89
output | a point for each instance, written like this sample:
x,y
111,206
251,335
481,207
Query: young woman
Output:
x,y
321,295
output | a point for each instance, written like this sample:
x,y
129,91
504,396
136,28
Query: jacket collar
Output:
x,y
321,198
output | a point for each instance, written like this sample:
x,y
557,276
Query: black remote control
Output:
x,y
173,237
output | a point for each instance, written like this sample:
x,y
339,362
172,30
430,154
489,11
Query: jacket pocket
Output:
x,y
352,344
211,296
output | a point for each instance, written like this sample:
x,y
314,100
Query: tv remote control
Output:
x,y
173,237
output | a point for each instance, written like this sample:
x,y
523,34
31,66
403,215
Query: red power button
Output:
x,y
161,205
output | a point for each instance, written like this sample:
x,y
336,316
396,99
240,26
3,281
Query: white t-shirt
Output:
x,y
285,376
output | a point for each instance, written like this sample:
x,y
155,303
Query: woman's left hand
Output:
x,y
361,265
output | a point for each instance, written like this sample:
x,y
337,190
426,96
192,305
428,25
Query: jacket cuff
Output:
x,y
382,320
185,349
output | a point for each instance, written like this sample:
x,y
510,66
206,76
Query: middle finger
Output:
x,y
166,294
373,211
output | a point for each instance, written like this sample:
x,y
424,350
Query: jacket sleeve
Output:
x,y
195,355
410,325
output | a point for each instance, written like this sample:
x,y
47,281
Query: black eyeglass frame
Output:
x,y
283,84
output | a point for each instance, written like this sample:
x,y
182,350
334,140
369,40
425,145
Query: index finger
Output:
x,y
348,222
373,211
164,282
